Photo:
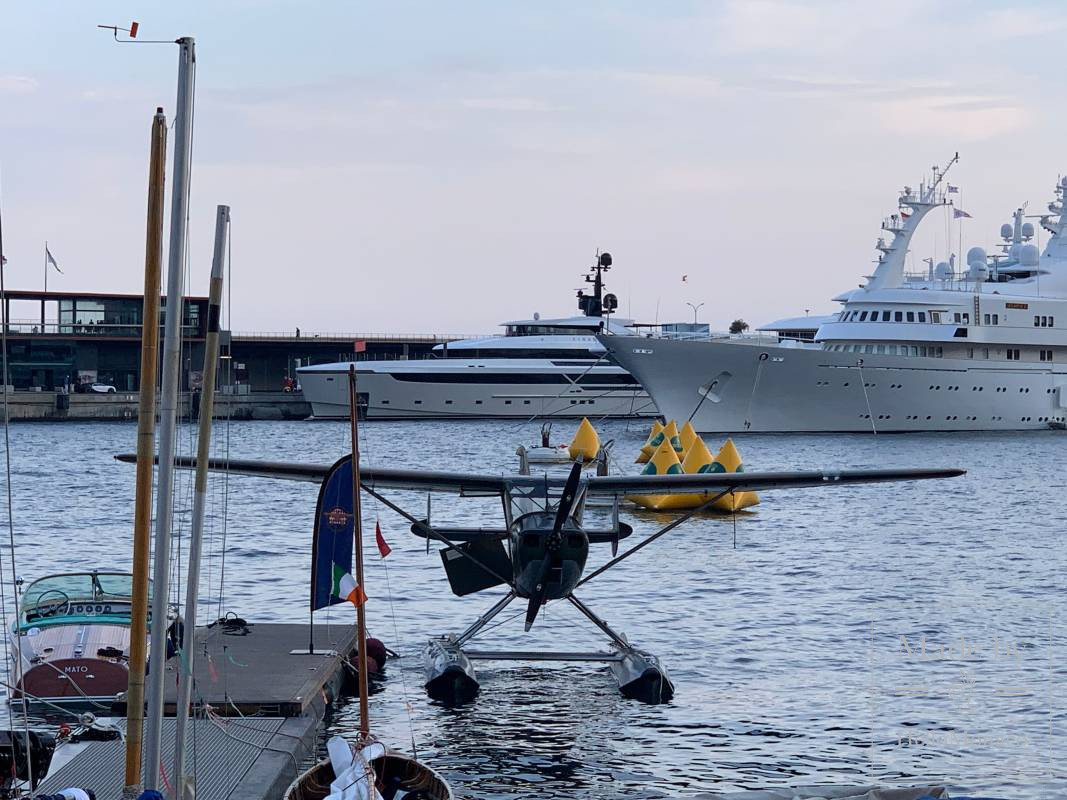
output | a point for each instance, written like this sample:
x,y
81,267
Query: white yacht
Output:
x,y
538,368
982,348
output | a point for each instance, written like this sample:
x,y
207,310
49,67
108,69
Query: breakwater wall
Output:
x,y
57,406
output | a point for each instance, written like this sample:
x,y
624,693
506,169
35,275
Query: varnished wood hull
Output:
x,y
314,784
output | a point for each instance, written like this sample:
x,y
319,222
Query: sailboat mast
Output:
x,y
146,440
196,535
357,522
183,130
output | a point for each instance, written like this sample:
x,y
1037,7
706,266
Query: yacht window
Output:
x,y
885,316
863,316
922,352
1051,324
507,402
922,316
1013,354
1044,322
448,402
996,319
970,352
1037,321
935,317
911,316
938,352
477,402
868,348
986,319
898,317
1046,355
914,350
966,318
881,348
418,402
957,318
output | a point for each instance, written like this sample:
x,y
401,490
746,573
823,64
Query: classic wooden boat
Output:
x,y
393,771
73,635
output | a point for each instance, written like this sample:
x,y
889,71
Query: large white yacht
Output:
x,y
552,368
982,348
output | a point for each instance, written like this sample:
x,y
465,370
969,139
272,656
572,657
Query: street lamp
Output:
x,y
695,308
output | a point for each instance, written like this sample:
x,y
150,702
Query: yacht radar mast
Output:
x,y
913,206
595,304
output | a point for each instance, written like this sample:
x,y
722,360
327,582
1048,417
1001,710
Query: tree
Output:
x,y
738,326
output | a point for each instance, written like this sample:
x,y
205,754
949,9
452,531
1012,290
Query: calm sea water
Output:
x,y
891,633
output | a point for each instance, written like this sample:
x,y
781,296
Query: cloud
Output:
x,y
955,117
518,104
17,84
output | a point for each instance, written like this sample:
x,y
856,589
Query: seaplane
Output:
x,y
540,548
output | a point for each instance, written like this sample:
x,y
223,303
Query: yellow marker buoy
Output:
x,y
663,462
586,443
729,460
651,443
697,458
687,436
670,433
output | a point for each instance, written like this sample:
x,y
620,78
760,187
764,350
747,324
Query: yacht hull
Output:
x,y
729,386
384,396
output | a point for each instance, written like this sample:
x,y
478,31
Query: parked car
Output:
x,y
102,388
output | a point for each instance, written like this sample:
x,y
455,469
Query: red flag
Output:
x,y
383,548
360,345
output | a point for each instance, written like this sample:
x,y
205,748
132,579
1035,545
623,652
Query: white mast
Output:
x,y
183,129
196,536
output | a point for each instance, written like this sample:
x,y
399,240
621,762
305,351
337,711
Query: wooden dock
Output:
x,y
273,694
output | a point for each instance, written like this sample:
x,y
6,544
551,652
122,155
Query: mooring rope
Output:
x,y
863,385
755,386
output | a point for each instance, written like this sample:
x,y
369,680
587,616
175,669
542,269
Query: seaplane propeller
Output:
x,y
540,551
553,560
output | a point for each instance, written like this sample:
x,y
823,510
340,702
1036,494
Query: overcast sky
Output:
x,y
420,167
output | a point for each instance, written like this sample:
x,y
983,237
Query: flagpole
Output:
x,y
46,265
357,520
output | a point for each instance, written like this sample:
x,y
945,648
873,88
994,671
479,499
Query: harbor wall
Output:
x,y
57,406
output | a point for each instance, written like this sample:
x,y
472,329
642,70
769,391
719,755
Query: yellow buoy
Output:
x,y
670,433
586,443
729,460
697,458
687,436
655,436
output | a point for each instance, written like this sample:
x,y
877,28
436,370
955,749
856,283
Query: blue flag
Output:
x,y
331,549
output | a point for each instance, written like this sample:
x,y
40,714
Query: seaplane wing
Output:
x,y
490,484
375,477
713,482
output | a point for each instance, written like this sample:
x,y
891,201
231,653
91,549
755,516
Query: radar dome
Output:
x,y
978,272
537,315
943,271
976,255
1006,231
1029,256
1028,230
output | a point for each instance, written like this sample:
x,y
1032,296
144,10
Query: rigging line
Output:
x,y
863,384
10,503
229,415
755,386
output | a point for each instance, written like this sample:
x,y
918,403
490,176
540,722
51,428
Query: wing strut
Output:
x,y
653,537
433,534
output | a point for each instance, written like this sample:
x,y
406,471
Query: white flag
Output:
x,y
52,261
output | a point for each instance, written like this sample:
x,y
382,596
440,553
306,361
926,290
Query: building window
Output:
x,y
885,316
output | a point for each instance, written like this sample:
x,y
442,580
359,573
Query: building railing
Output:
x,y
122,329
399,338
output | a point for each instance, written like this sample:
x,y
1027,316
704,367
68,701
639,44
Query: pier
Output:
x,y
266,696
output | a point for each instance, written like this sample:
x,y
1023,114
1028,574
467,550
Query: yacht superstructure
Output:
x,y
539,368
981,348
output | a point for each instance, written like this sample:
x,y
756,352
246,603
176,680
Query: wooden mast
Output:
x,y
146,437
357,520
